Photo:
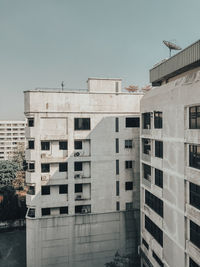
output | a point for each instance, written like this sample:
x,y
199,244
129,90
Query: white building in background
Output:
x,y
12,134
170,163
83,174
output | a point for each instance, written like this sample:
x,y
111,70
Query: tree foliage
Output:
x,y
119,261
8,170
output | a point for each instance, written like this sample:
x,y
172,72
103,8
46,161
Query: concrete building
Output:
x,y
170,163
83,174
12,134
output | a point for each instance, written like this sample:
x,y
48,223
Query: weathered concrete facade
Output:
x,y
173,243
83,174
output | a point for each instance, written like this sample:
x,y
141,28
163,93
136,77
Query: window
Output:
x,y
129,206
128,143
128,186
45,145
159,149
146,146
195,195
31,166
154,203
31,144
46,211
116,87
117,188
78,145
117,205
132,122
45,167
194,160
116,125
63,145
45,190
195,234
83,209
146,118
157,119
159,178
30,122
78,166
78,188
63,210
63,189
194,117
117,145
31,213
158,259
128,164
82,124
117,166
63,167
193,264
31,190
154,230
147,172
144,242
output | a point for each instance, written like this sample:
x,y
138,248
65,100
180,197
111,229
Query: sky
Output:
x,y
45,42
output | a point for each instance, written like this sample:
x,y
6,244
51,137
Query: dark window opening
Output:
x,y
78,188
31,167
117,205
146,118
154,203
194,117
159,178
78,166
159,149
158,259
117,188
116,125
83,209
144,242
195,195
31,190
128,143
147,172
146,146
117,166
31,213
82,124
45,145
117,145
63,189
128,186
46,211
45,167
194,156
31,144
129,206
63,145
157,119
154,230
128,164
63,210
30,122
45,190
195,234
132,122
78,144
63,167
193,264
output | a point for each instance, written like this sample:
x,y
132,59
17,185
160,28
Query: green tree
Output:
x,y
8,170
119,261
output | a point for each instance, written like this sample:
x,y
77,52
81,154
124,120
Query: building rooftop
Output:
x,y
183,61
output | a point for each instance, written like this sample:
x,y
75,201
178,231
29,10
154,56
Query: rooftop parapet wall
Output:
x,y
183,61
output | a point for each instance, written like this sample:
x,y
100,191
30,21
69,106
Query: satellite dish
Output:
x,y
171,46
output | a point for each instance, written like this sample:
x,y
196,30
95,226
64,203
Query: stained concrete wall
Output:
x,y
82,240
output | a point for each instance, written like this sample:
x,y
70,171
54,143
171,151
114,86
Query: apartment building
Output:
x,y
170,163
83,174
12,134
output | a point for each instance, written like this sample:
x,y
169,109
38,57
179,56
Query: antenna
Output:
x,y
62,85
171,46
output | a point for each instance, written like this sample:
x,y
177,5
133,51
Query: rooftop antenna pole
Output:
x,y
62,85
171,47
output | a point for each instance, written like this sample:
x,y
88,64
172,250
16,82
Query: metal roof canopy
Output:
x,y
185,60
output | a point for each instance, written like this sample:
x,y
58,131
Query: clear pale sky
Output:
x,y
44,42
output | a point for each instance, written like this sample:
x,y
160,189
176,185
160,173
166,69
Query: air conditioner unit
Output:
x,y
78,197
44,178
43,155
84,210
76,176
77,154
149,177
